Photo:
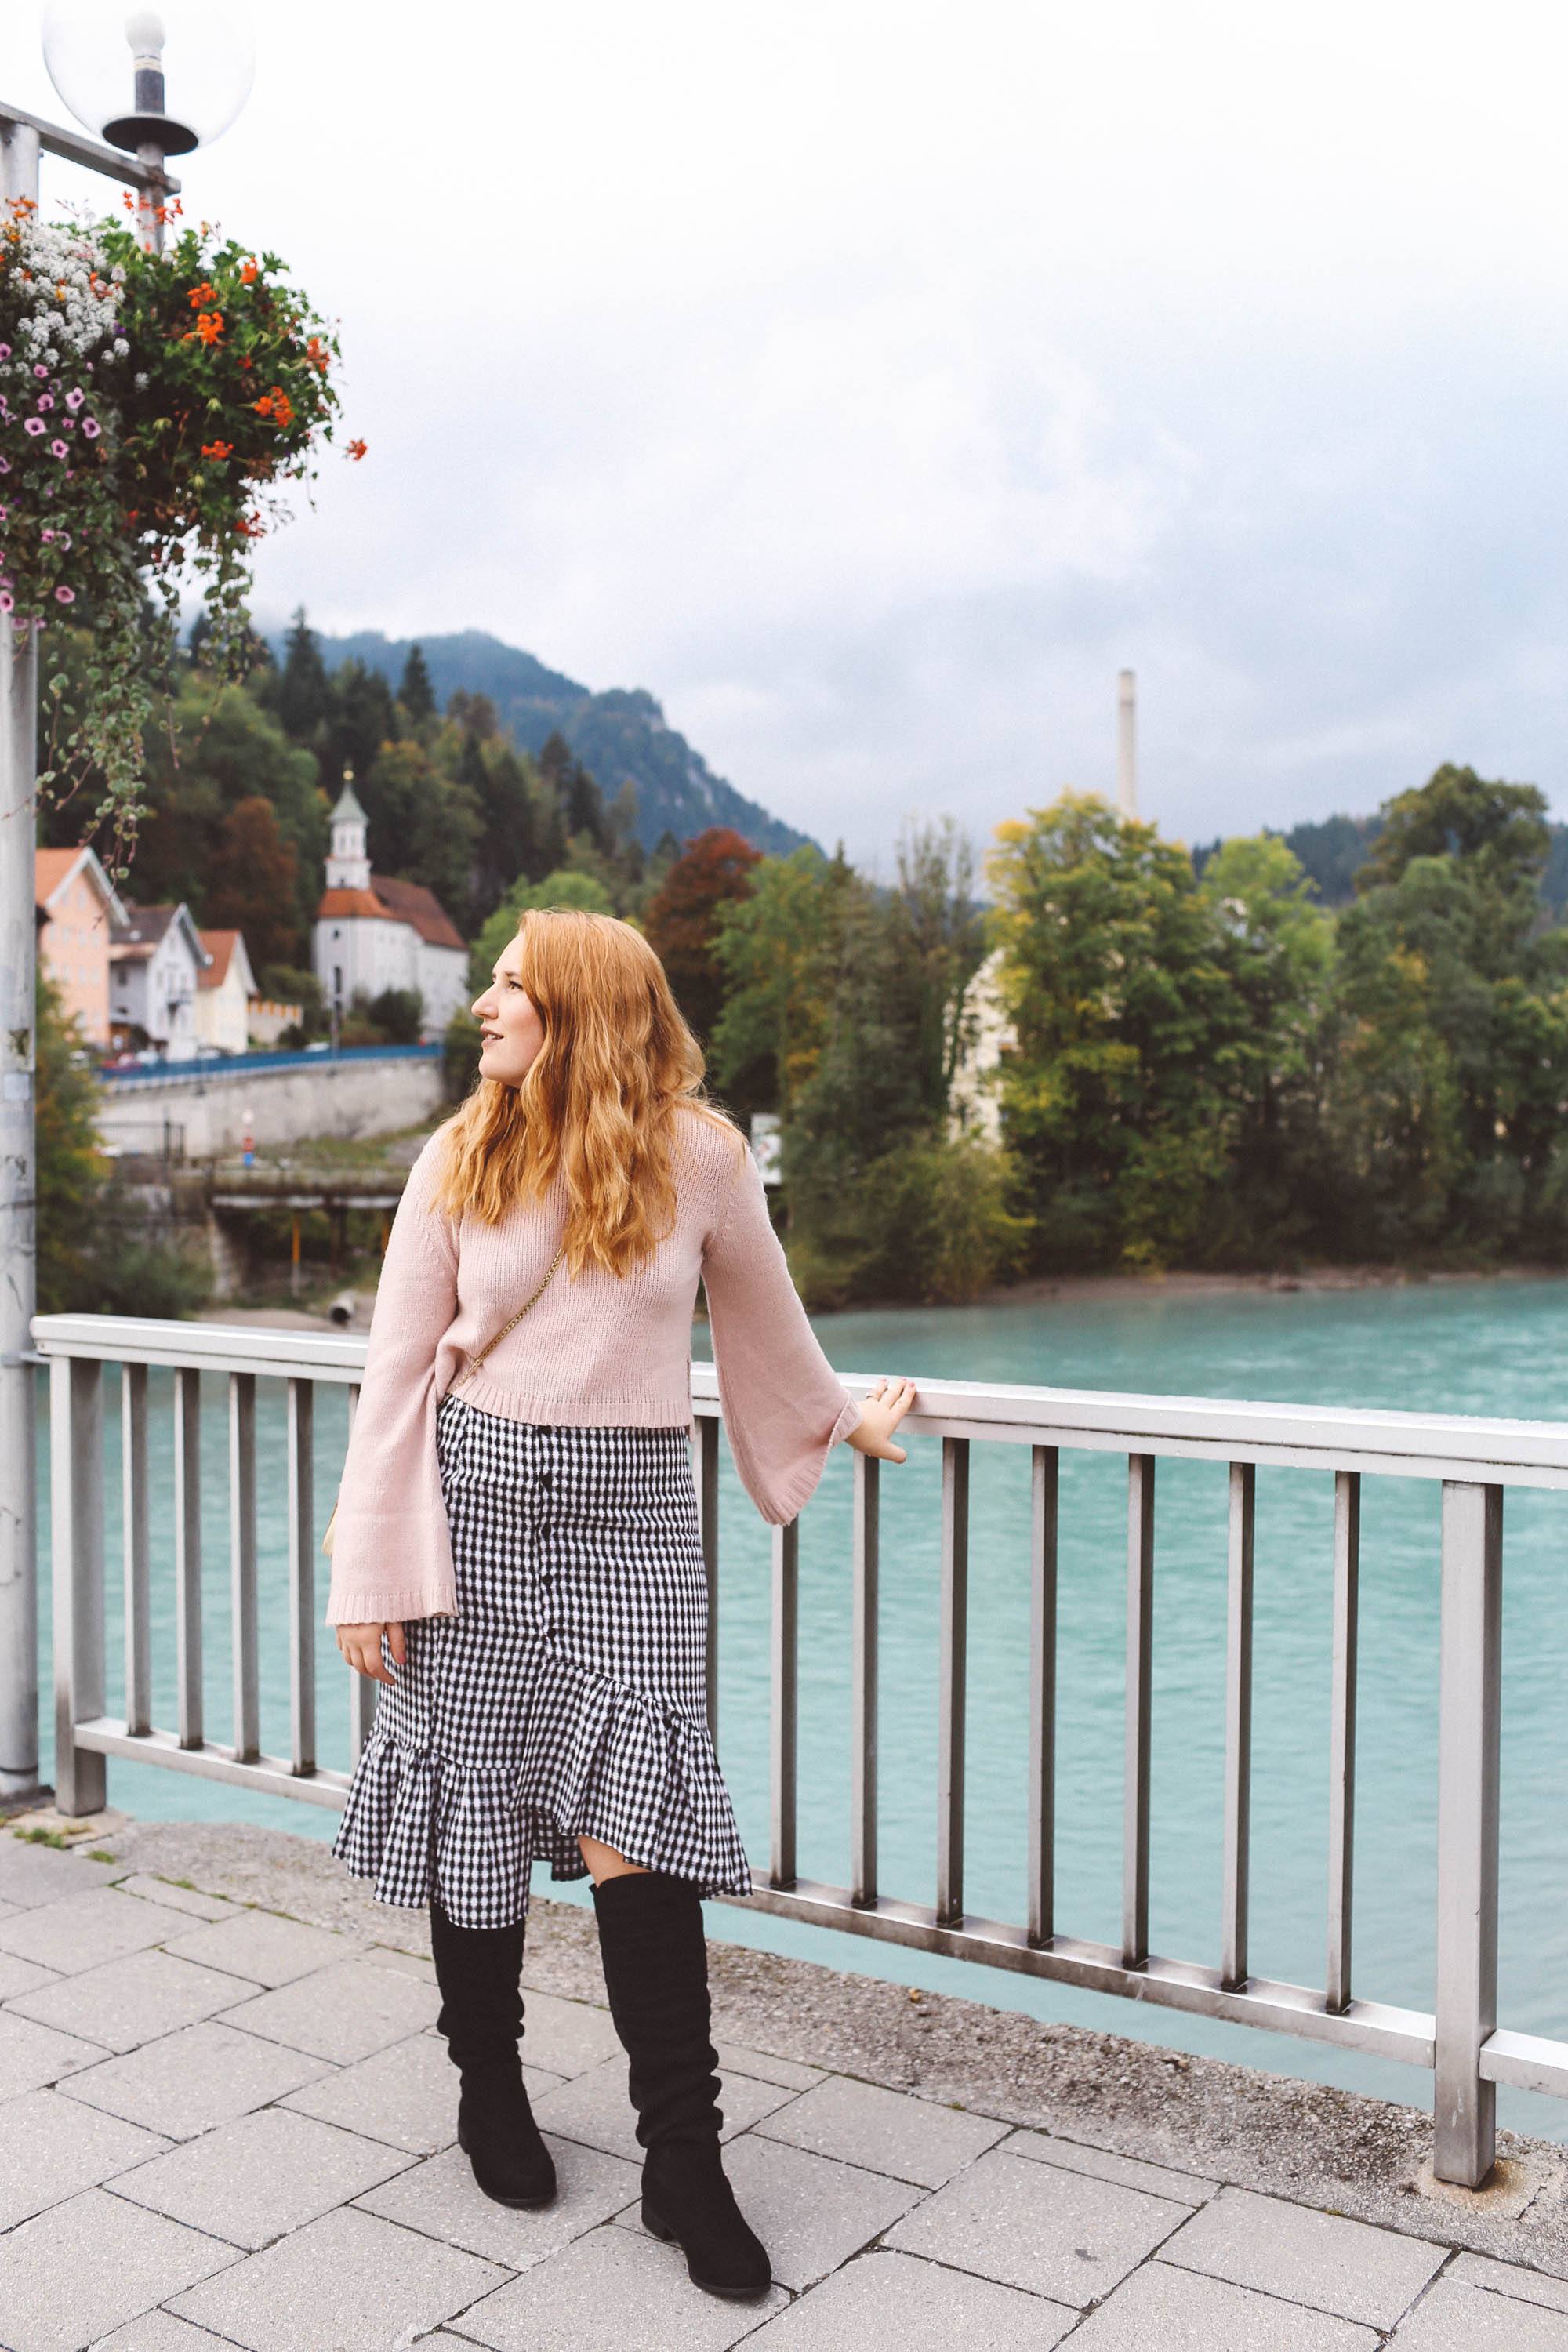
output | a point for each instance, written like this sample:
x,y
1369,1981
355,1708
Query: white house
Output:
x,y
372,934
155,957
223,991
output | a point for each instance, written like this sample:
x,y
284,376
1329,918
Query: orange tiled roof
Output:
x,y
387,901
351,902
220,946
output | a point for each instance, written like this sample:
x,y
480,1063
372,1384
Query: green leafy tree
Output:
x,y
71,1168
304,695
1127,1012
414,691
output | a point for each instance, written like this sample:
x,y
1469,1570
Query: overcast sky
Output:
x,y
872,382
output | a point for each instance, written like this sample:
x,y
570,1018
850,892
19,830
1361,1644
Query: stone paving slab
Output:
x,y
174,1897
443,2199
342,2013
82,1933
1455,2317
127,2001
348,2282
190,2081
51,2147
1055,2233
887,2131
32,2055
1318,2259
1127,2171
160,2331
41,1873
811,2212
406,2096
251,2180
595,2107
736,2059
22,1976
1160,2309
88,2265
888,2298
1511,2279
260,1945
612,2292
567,2036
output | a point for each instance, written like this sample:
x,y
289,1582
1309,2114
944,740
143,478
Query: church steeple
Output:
x,y
348,866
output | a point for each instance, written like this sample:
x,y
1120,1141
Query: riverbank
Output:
x,y
229,2107
1113,1288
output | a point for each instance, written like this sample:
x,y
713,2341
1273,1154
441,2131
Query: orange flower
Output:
x,y
210,327
217,448
250,272
263,406
357,449
200,296
317,354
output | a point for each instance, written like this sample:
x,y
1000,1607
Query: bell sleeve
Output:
x,y
783,1406
392,1546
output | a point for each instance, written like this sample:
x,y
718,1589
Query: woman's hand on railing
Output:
x,y
880,1413
361,1646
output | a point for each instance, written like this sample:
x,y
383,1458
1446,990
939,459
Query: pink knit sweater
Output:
x,y
597,1350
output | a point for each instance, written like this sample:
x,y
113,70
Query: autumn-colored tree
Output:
x,y
682,920
250,882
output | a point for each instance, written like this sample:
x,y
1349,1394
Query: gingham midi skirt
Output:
x,y
566,1697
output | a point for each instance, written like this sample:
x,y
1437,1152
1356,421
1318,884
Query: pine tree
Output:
x,y
304,699
415,692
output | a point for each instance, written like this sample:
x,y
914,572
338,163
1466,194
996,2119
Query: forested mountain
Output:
x,y
1332,850
618,735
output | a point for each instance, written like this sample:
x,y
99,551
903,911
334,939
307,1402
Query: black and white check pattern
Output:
x,y
566,1697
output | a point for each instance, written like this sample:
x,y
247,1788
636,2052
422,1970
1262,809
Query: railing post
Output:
x,y
952,1675
1139,1712
708,1518
1468,1722
302,1576
76,1512
1041,1862
863,1673
785,1659
1233,1967
1341,1738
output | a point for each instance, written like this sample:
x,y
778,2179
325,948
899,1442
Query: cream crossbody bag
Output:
x,y
471,1367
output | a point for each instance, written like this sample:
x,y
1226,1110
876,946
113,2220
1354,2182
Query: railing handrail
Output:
x,y
1220,1429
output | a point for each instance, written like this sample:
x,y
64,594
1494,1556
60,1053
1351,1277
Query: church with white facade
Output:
x,y
371,933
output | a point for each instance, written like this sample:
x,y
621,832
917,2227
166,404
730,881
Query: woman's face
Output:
x,y
512,1029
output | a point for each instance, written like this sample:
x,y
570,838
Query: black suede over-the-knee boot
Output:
x,y
479,1971
656,1973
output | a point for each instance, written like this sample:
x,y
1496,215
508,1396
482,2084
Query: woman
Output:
x,y
516,1551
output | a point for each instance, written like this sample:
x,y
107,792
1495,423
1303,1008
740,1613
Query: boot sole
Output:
x,y
658,2228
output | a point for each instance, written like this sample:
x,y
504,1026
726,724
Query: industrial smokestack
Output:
x,y
1127,744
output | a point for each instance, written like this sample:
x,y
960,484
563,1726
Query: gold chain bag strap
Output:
x,y
471,1367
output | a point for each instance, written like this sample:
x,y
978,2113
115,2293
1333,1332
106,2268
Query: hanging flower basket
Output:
x,y
151,405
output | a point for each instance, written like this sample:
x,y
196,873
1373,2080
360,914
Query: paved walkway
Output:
x,y
223,2126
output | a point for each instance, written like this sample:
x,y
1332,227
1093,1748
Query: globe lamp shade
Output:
x,y
171,75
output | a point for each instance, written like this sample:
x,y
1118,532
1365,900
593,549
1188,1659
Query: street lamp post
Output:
x,y
131,150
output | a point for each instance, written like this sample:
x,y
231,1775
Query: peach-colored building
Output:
x,y
76,905
223,991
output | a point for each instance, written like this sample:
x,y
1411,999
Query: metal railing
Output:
x,y
130,1077
1473,1459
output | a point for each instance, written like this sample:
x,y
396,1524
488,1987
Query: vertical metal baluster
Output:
x,y
1238,1725
1042,1693
1341,1735
135,1532
707,1514
1140,1637
76,1512
863,1684
786,1655
188,1551
363,1689
242,1562
301,1577
954,1644
1470,1692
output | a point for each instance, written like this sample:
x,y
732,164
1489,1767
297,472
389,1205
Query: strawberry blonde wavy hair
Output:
x,y
598,1101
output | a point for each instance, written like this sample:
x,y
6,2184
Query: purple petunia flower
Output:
x,y
60,448
74,397
46,535
5,350
65,538
5,464
91,427
45,400
7,602
64,595
40,371
35,425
